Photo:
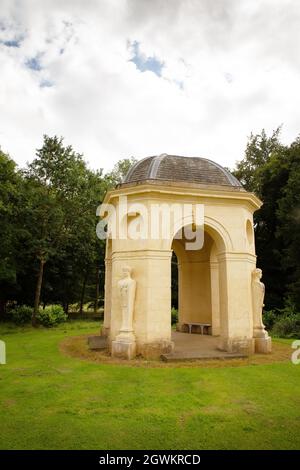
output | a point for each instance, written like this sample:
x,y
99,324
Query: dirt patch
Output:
x,y
76,346
9,402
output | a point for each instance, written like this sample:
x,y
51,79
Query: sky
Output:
x,y
122,78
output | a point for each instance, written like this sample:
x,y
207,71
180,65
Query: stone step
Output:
x,y
97,342
194,356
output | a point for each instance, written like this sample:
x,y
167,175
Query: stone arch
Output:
x,y
214,228
219,234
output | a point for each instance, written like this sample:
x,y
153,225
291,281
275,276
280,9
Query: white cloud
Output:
x,y
230,67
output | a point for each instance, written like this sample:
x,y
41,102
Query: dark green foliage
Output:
x,y
174,281
51,315
49,251
174,316
269,319
21,315
284,322
287,326
272,171
10,231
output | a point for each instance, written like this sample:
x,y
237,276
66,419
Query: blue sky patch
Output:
x,y
179,83
145,63
12,43
34,63
46,83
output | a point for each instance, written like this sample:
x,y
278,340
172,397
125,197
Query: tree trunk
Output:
x,y
83,293
97,290
38,289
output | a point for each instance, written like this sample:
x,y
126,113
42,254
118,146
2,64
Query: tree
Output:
x,y
49,251
259,150
118,173
10,182
270,169
288,231
56,180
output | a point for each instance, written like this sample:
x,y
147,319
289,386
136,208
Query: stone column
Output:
x,y
236,302
156,308
152,307
215,298
107,298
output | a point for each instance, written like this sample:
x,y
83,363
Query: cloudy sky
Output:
x,y
120,78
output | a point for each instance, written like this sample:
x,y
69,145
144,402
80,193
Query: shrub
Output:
x,y
21,315
51,315
287,326
269,318
174,316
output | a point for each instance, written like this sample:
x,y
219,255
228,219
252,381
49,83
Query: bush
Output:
x,y
269,318
287,326
21,315
174,316
51,315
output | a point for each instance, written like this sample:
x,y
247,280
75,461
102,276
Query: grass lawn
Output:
x,y
51,401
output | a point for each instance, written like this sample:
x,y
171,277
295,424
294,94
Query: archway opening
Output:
x,y
197,286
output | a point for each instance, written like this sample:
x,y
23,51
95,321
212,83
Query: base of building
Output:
x,y
263,345
155,349
105,331
237,345
123,349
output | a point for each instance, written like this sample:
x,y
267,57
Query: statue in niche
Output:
x,y
258,295
127,288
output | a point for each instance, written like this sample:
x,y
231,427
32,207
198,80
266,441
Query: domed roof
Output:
x,y
185,169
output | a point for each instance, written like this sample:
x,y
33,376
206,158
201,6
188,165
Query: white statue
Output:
x,y
258,295
127,288
2,353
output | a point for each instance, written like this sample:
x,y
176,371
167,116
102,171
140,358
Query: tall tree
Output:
x,y
267,170
259,150
288,230
56,177
119,171
10,182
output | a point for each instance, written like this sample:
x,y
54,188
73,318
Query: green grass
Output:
x,y
50,401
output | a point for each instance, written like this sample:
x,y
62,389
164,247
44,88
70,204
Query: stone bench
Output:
x,y
202,326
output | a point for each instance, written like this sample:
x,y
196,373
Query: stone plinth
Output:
x,y
155,349
263,345
123,349
97,342
243,346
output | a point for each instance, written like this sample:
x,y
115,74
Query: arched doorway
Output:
x,y
198,285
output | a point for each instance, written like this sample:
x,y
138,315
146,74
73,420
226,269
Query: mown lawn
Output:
x,y
51,401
